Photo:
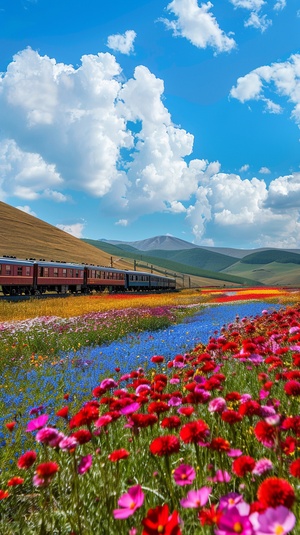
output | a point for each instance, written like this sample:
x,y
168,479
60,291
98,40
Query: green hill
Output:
x,y
196,257
145,261
271,255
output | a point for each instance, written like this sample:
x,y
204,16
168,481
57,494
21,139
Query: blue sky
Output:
x,y
126,120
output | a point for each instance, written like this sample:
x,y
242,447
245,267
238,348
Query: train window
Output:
x,y
27,271
46,272
0,269
55,272
97,274
64,272
70,272
8,269
41,271
77,273
20,270
92,273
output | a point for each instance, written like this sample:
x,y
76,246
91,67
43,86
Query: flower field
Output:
x,y
148,419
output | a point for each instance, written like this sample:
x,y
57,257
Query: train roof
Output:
x,y
13,260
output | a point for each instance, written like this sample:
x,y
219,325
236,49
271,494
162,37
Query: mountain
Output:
x,y
170,243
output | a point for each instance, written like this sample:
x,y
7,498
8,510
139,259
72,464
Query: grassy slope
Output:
x,y
273,273
272,255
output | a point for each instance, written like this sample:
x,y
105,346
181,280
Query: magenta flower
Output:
x,y
175,401
196,498
129,502
273,521
108,383
47,435
68,443
37,423
235,520
103,420
85,464
184,475
129,409
230,500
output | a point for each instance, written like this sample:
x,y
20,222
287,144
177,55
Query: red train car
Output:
x,y
16,276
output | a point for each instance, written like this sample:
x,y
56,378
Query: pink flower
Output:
x,y
230,500
108,383
184,475
85,464
196,498
235,520
175,401
220,477
129,502
273,521
217,405
37,423
68,443
262,466
103,420
49,436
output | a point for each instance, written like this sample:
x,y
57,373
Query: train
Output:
x,y
37,277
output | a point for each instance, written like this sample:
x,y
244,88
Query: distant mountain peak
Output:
x,y
165,242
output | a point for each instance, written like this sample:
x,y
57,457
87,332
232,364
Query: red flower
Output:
x,y
288,445
160,521
157,359
172,422
47,470
158,407
295,468
219,444
10,425
186,411
231,417
233,396
210,516
15,481
292,388
143,420
63,412
3,494
117,455
265,433
82,436
66,396
85,416
274,491
250,408
242,465
165,445
194,432
27,460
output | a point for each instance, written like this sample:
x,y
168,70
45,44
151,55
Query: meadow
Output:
x,y
154,414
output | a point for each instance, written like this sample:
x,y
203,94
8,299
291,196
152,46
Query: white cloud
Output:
x,y
27,210
176,207
198,25
75,229
256,19
283,78
244,168
264,171
122,43
279,5
122,222
247,210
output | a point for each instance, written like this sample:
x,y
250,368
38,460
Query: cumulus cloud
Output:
x,y
198,25
122,43
122,222
27,210
264,171
279,5
75,229
244,168
247,210
256,18
283,78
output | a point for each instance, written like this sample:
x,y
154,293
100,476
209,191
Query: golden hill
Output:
x,y
25,236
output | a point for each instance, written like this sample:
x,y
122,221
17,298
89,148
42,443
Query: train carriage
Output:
x,y
100,278
16,276
60,277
